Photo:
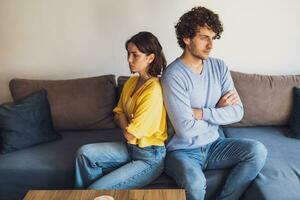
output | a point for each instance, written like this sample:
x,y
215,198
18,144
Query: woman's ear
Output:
x,y
150,58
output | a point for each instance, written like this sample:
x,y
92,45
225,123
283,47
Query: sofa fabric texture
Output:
x,y
76,104
267,99
26,123
279,179
52,165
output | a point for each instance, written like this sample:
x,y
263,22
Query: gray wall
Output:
x,y
61,39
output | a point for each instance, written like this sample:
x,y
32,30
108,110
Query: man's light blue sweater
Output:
x,y
183,90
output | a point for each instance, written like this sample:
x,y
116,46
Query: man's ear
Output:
x,y
186,40
151,57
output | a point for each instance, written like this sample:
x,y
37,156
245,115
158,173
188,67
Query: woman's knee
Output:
x,y
85,150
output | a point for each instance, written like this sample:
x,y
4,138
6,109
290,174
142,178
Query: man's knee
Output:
x,y
187,177
258,152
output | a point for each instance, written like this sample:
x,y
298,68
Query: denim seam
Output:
x,y
134,176
94,164
222,160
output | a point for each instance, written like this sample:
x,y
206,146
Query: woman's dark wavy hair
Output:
x,y
147,43
189,22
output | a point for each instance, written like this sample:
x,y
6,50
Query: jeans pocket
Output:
x,y
149,153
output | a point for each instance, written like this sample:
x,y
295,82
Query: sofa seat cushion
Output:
x,y
280,177
52,165
47,166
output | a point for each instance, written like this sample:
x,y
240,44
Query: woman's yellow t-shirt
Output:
x,y
149,114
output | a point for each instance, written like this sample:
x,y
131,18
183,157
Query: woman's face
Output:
x,y
138,61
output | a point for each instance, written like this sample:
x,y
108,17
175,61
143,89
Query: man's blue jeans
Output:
x,y
246,158
117,165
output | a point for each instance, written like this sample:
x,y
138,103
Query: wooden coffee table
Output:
x,y
155,194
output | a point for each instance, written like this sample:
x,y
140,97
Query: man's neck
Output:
x,y
195,64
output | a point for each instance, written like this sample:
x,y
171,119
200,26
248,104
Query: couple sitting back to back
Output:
x,y
198,94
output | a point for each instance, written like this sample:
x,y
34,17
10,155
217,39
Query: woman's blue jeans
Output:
x,y
245,157
117,165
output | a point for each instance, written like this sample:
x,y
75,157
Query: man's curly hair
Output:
x,y
189,22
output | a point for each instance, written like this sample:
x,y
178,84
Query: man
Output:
x,y
199,96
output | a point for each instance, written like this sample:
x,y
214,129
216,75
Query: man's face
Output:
x,y
201,45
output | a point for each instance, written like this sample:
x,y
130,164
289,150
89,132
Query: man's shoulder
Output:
x,y
216,64
173,68
216,61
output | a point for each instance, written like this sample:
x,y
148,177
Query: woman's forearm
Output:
x,y
122,121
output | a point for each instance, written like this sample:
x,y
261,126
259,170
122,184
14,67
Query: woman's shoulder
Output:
x,y
130,80
154,84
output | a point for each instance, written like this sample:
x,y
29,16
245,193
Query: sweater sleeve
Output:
x,y
179,109
228,114
148,114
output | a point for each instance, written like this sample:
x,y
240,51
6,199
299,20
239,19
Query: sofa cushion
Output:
x,y
84,104
49,165
52,166
295,115
120,82
282,166
267,100
27,123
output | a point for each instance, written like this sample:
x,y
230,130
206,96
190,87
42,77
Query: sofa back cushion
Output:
x,y
267,99
76,104
121,81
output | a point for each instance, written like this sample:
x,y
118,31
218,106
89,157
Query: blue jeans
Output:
x,y
117,165
246,158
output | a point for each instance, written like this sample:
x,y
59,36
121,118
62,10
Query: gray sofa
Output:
x,y
81,112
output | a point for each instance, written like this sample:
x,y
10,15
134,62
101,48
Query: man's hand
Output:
x,y
229,99
198,113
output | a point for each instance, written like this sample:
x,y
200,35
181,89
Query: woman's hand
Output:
x,y
130,118
128,136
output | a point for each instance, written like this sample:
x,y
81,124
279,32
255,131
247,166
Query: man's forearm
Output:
x,y
223,116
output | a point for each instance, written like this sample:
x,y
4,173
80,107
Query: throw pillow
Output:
x,y
295,116
26,123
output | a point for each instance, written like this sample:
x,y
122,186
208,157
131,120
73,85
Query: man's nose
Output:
x,y
210,44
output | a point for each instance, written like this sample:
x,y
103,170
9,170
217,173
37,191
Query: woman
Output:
x,y
141,115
